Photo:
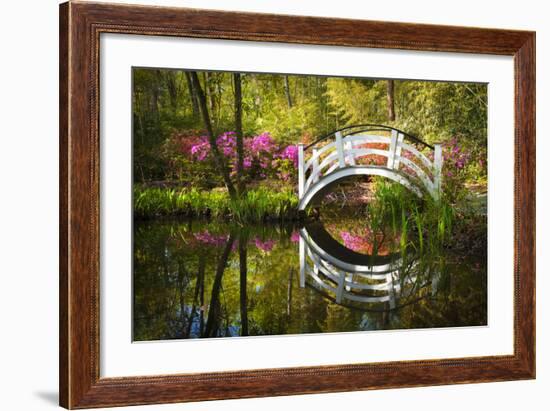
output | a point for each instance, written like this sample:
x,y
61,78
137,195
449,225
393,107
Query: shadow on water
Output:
x,y
196,279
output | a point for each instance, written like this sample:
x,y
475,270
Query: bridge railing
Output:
x,y
402,160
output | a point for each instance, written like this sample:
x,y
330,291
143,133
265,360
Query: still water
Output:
x,y
198,279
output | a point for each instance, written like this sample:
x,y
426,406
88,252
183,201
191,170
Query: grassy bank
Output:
x,y
256,205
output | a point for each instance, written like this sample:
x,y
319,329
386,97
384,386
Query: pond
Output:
x,y
200,279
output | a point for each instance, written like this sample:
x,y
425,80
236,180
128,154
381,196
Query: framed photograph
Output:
x,y
259,205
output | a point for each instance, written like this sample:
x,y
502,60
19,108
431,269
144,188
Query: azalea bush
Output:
x,y
461,166
457,170
263,157
373,159
181,168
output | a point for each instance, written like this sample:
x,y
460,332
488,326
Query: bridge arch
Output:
x,y
336,156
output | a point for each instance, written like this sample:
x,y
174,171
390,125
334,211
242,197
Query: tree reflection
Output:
x,y
243,241
214,312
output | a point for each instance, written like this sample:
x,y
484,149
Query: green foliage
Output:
x,y
259,204
438,111
254,206
357,101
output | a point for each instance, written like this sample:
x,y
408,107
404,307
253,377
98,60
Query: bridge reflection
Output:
x,y
366,282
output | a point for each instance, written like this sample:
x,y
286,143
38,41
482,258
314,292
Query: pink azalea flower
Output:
x,y
266,246
210,239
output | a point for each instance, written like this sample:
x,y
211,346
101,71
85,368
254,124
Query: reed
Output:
x,y
423,224
253,206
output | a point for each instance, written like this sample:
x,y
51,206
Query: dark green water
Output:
x,y
196,279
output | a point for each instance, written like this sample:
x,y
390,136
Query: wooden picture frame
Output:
x,y
80,27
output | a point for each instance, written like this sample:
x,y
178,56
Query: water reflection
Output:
x,y
199,280
369,282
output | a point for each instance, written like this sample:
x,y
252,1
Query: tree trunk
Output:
x,y
210,98
391,102
212,323
287,92
243,274
182,284
193,96
202,264
239,132
218,157
155,96
198,286
289,293
172,89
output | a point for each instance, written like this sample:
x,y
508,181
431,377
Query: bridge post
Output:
x,y
301,171
351,157
398,148
315,166
393,147
340,150
302,245
391,289
340,288
438,166
349,279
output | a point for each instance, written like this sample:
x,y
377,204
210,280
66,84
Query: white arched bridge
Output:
x,y
346,152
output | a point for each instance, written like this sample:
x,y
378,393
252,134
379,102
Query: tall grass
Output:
x,y
423,224
254,206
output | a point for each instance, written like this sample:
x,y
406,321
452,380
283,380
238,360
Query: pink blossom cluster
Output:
x,y
261,143
363,241
455,157
373,159
266,245
261,153
200,149
290,153
210,239
226,143
454,154
185,143
355,242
